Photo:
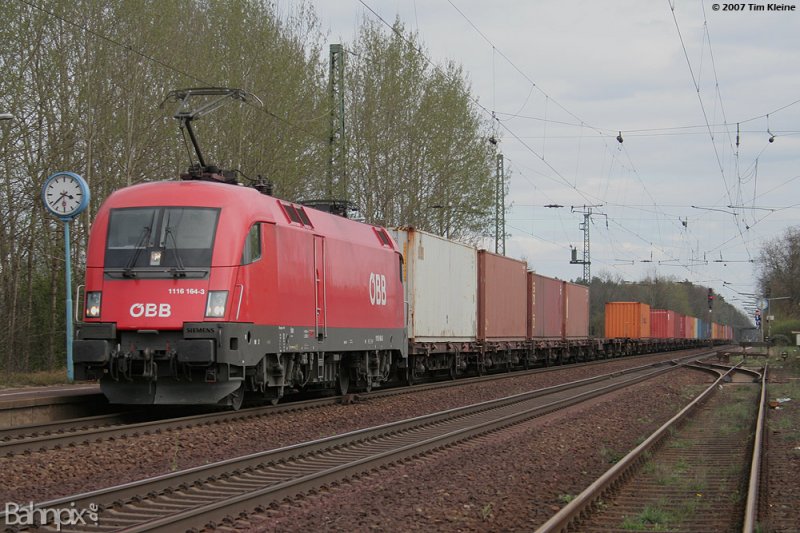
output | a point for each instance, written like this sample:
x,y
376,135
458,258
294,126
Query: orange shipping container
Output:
x,y
630,320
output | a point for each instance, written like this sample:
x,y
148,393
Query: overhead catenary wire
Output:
x,y
495,50
572,180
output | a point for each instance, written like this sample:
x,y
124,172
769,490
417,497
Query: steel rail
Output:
x,y
29,430
751,506
73,434
243,483
576,509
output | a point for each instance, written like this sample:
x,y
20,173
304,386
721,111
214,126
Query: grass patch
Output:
x,y
652,518
679,443
739,409
611,456
566,498
697,484
487,512
33,379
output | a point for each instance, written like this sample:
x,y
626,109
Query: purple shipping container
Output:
x,y
502,297
545,306
576,316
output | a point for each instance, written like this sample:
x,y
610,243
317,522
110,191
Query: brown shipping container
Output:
x,y
545,306
627,320
502,297
576,318
680,326
662,324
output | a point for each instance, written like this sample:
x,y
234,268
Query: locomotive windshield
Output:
x,y
160,239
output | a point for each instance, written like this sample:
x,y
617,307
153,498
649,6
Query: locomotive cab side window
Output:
x,y
252,245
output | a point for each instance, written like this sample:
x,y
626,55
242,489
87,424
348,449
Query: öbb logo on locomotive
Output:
x,y
150,310
377,289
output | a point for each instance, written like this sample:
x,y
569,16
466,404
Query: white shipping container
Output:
x,y
441,286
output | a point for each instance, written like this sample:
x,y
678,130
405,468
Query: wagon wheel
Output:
x,y
236,398
279,395
453,368
410,371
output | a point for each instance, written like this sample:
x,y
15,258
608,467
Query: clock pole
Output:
x,y
66,195
70,369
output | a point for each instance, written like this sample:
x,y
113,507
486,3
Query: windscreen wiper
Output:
x,y
180,270
128,272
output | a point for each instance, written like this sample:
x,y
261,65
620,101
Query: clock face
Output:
x,y
64,195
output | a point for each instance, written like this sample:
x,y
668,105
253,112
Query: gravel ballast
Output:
x,y
506,481
47,475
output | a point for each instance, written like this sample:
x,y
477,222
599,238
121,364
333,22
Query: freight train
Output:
x,y
198,291
638,320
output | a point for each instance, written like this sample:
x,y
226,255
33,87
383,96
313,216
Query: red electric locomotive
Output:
x,y
197,291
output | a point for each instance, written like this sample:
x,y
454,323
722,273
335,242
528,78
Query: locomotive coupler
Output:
x,y
150,367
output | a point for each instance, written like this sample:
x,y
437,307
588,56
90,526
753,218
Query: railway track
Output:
x,y
210,493
699,472
60,434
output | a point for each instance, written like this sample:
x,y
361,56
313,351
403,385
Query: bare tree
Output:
x,y
418,148
779,271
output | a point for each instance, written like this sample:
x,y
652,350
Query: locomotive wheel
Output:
x,y
343,381
237,397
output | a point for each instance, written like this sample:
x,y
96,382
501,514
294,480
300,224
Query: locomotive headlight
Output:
x,y
215,305
93,304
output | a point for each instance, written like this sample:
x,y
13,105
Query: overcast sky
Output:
x,y
674,77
